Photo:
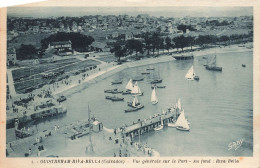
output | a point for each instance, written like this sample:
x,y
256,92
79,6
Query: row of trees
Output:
x,y
152,42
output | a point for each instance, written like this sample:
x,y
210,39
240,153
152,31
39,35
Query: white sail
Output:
x,y
133,104
154,98
136,89
185,124
179,104
135,101
190,74
129,85
182,121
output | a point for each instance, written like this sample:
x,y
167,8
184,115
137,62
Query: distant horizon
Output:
x,y
44,12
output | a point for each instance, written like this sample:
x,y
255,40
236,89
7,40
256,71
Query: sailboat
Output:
x,y
136,90
191,74
129,85
159,127
177,109
154,98
134,103
212,65
182,123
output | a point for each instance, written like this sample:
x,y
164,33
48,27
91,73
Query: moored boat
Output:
x,y
126,92
117,92
182,123
183,56
110,90
109,97
191,74
157,86
114,98
134,103
154,86
156,81
139,78
196,78
211,66
61,99
149,68
172,125
135,109
243,65
117,99
116,82
161,86
145,73
159,127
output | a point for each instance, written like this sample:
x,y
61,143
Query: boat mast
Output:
x,y
90,146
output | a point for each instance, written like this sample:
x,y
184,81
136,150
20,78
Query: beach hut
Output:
x,y
97,126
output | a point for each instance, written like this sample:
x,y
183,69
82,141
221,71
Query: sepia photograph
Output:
x,y
129,81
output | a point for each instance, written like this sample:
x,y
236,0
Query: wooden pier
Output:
x,y
149,124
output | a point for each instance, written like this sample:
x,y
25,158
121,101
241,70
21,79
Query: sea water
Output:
x,y
219,106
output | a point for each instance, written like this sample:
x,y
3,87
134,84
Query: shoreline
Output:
x,y
147,61
109,70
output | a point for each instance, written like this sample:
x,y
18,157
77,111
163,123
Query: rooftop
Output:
x,y
60,42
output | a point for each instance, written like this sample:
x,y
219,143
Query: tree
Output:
x,y
26,52
79,41
134,45
185,27
155,41
168,43
190,40
182,27
148,42
181,42
161,45
119,51
204,40
224,39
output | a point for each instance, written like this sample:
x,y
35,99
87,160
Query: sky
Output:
x,y
40,12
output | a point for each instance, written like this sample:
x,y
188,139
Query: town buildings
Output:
x,y
11,57
62,47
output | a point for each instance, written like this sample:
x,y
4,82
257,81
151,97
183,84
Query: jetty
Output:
x,y
146,125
